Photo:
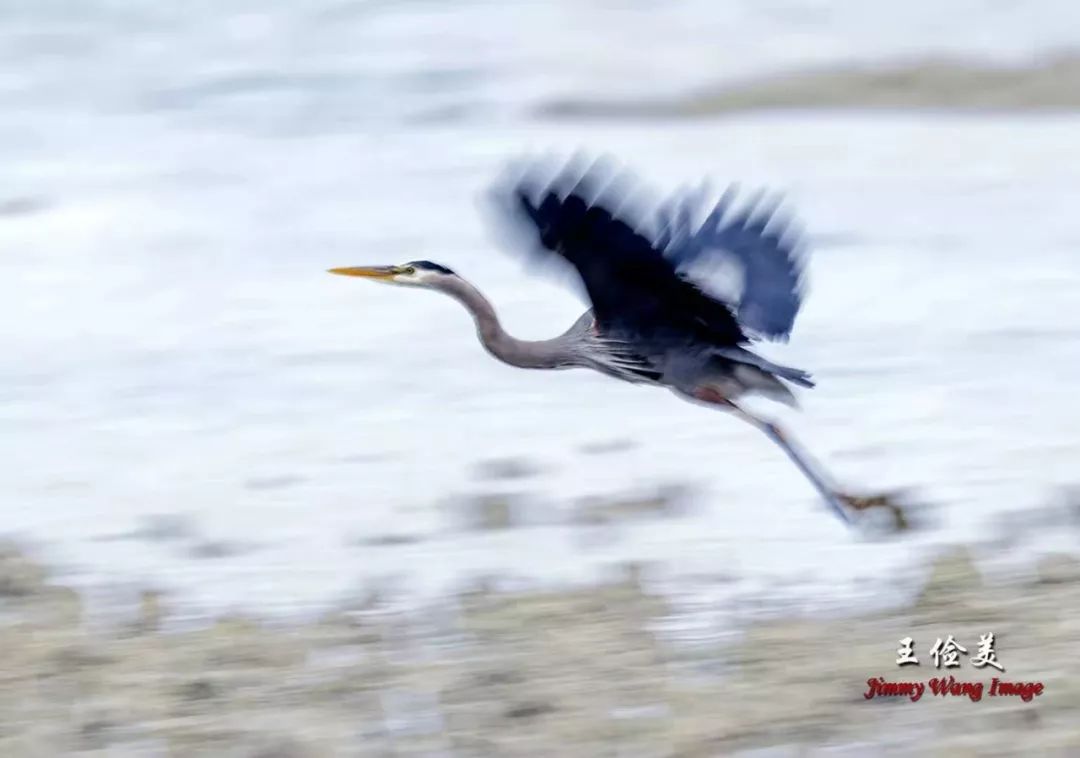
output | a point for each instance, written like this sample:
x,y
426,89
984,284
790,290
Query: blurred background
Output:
x,y
197,423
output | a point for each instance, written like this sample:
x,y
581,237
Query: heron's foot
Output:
x,y
891,501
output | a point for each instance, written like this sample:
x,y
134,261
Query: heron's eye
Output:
x,y
410,270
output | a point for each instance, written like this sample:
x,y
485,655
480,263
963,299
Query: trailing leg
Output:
x,y
809,468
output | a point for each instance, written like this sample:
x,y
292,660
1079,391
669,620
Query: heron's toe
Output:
x,y
891,501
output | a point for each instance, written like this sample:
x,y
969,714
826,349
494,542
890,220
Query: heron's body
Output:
x,y
654,318
730,372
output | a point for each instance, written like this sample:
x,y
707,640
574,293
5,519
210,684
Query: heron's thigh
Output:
x,y
709,395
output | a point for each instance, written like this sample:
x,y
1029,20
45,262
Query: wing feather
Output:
x,y
635,289
759,239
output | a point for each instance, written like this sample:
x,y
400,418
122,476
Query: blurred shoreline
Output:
x,y
578,672
1048,84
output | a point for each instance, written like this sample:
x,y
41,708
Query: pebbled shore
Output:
x,y
574,673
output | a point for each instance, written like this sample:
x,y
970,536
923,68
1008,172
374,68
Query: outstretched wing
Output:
x,y
636,293
754,251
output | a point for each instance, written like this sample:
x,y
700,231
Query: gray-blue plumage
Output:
x,y
748,255
657,317
659,313
751,252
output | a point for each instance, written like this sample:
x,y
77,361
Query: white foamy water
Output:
x,y
172,344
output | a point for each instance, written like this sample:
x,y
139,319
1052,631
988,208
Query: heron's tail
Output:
x,y
760,382
794,375
787,373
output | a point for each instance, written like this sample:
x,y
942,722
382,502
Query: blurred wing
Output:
x,y
635,291
750,257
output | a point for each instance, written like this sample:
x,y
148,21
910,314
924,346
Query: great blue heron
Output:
x,y
654,317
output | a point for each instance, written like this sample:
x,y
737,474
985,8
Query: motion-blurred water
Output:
x,y
176,178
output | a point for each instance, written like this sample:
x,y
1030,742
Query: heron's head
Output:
x,y
411,274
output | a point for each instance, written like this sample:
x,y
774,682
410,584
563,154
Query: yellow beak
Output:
x,y
368,272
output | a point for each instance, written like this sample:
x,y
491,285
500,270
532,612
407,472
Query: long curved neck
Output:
x,y
546,354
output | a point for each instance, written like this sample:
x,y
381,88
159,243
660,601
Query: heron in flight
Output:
x,y
657,316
